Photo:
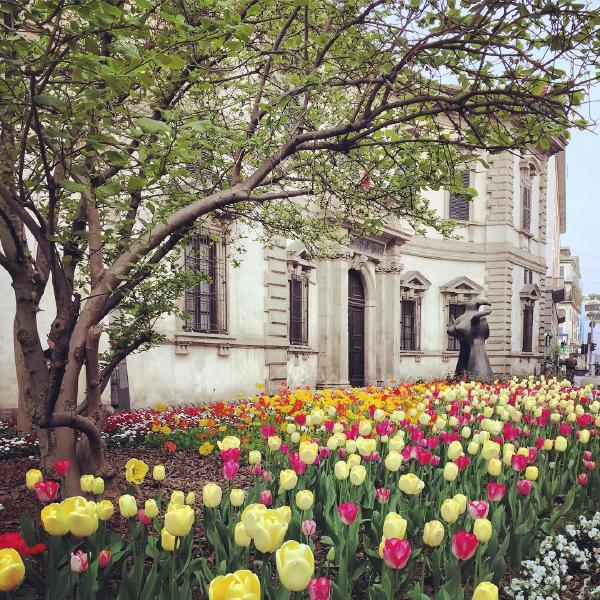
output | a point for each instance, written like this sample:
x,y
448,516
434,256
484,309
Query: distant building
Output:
x,y
591,314
569,329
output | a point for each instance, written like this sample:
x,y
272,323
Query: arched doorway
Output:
x,y
356,329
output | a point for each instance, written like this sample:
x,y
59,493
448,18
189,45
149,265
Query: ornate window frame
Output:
x,y
529,168
529,295
299,268
413,286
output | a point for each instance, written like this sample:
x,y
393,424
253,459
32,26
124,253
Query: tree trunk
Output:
x,y
23,419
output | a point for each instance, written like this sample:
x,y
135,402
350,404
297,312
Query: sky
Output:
x,y
583,198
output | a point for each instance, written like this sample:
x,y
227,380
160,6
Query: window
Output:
x,y
459,205
410,325
526,201
527,276
454,311
528,328
206,302
298,310
562,271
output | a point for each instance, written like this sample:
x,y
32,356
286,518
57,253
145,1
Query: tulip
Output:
x,y
364,428
104,557
518,462
105,509
353,460
241,585
309,527
461,500
241,538
396,553
382,495
478,509
295,565
12,569
211,495
46,491
228,442
393,461
168,541
237,497
366,447
80,561
308,452
266,497
455,449
86,483
464,545
450,471
81,516
531,473
330,556
319,589
410,484
560,444
584,436
250,517
286,511
433,533
254,457
158,473
490,450
394,526
358,475
135,471
485,591
304,499
179,520
494,467
482,529
347,512
524,487
190,498
288,479
582,478
151,508
127,506
62,467
496,491
270,531
230,469
32,477
450,510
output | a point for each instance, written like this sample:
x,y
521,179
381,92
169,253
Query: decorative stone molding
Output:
x,y
413,285
460,290
389,266
359,261
530,293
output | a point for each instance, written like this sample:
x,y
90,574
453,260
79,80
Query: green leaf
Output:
x,y
28,530
71,186
135,183
151,125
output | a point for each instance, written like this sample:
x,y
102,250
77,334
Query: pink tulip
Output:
x,y
231,455
266,497
309,527
46,491
524,487
79,561
519,462
464,545
435,460
478,509
267,476
582,478
319,589
284,448
589,465
348,512
267,431
462,462
496,491
144,518
396,553
104,557
587,455
382,495
62,467
230,469
256,470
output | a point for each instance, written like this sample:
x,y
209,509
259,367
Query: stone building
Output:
x,y
374,313
569,334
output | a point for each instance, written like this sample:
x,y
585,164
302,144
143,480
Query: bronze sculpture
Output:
x,y
471,329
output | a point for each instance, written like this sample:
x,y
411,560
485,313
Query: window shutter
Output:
x,y
459,205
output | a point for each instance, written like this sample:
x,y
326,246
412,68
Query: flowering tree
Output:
x,y
123,124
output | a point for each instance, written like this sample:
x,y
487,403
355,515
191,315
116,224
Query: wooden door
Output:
x,y
356,329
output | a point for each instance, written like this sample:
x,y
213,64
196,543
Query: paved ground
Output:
x,y
586,380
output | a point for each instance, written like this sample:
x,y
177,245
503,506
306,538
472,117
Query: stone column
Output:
x,y
332,284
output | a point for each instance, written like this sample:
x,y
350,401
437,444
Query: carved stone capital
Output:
x,y
389,266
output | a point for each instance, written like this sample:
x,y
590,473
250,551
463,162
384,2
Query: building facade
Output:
x,y
569,329
375,312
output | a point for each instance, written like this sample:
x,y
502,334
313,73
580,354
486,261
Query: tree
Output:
x,y
123,124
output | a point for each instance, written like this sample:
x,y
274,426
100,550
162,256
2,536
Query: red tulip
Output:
x,y
266,497
524,487
582,478
464,545
590,465
14,540
230,469
478,509
396,553
382,495
587,455
519,461
104,557
300,419
62,467
46,491
144,518
170,446
462,462
496,491
348,512
319,588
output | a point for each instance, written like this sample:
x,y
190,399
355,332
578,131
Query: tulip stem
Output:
x,y
174,570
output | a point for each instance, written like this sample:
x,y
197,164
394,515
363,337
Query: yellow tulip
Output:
x,y
560,443
241,538
32,477
286,511
455,449
396,444
158,473
450,471
177,497
53,520
151,508
274,442
473,447
12,570
98,486
494,467
353,460
237,497
105,509
531,473
482,529
270,531
485,591
394,526
410,484
241,585
433,533
366,447
228,442
168,541
304,499
128,506
584,436
358,474
490,449
316,417
308,452
135,471
86,483
295,565
250,517
287,479
81,517
254,457
450,510
393,461
179,520
212,494
364,428
341,470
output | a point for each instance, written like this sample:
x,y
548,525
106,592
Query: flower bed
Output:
x,y
415,491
